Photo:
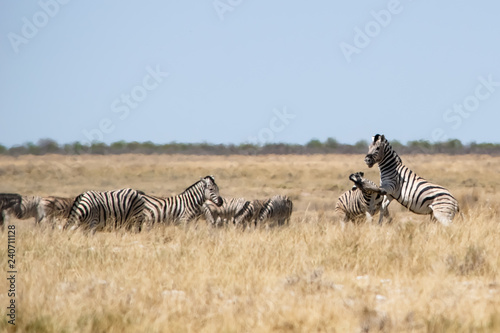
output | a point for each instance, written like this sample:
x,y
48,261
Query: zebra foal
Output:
x,y
361,200
183,207
410,190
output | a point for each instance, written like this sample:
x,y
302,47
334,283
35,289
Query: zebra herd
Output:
x,y
131,209
397,182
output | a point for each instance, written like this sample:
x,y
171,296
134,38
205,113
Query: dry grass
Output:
x,y
410,276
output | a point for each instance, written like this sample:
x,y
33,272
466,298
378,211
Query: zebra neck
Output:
x,y
390,162
193,195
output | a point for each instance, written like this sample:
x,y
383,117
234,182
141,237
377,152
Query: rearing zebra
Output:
x,y
400,183
122,207
183,207
361,200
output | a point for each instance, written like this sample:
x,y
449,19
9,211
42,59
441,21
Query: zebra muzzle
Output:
x,y
369,160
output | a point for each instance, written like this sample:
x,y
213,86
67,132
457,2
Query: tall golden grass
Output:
x,y
409,276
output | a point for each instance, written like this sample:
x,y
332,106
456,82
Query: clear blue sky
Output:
x,y
233,71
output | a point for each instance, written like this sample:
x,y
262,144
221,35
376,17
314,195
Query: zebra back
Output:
x,y
278,208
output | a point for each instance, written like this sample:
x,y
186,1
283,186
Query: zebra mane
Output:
x,y
195,186
389,151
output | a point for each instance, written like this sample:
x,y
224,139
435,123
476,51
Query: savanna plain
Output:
x,y
312,275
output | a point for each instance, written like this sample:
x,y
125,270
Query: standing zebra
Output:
x,y
278,208
183,207
232,210
400,183
122,207
360,200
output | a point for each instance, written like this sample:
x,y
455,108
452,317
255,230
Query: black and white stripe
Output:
x,y
183,207
116,208
232,210
278,208
410,190
360,201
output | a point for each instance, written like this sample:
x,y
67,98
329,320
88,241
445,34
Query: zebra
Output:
x,y
93,209
183,207
56,208
25,207
278,208
232,210
360,200
413,192
8,202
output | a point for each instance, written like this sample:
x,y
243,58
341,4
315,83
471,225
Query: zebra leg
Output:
x,y
369,217
40,214
383,208
444,217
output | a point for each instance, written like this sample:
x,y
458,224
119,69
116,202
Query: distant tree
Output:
x,y
420,147
48,146
361,146
314,144
32,148
331,143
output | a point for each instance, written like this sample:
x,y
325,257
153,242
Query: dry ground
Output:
x,y
410,276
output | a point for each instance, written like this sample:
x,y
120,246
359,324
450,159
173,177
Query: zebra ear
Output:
x,y
361,173
382,138
352,178
376,137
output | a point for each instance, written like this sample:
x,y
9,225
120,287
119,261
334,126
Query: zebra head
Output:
x,y
211,190
376,150
357,178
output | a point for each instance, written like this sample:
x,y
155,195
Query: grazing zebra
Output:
x,y
400,183
183,207
56,208
28,207
233,210
8,202
361,200
277,208
122,207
